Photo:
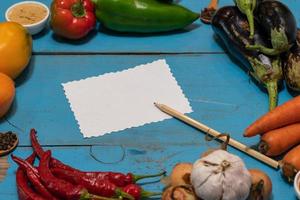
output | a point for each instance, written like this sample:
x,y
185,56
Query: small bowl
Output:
x,y
297,184
32,28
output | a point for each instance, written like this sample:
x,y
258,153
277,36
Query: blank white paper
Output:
x,y
117,101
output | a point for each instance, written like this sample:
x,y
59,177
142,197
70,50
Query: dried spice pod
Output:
x,y
8,142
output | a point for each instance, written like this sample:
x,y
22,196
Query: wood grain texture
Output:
x,y
4,165
196,38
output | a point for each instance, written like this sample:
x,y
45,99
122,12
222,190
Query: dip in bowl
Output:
x,y
32,15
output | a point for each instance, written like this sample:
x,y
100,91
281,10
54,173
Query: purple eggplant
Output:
x,y
233,29
279,24
291,69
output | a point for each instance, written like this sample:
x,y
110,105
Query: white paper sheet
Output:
x,y
121,100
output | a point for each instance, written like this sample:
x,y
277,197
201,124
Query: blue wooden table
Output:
x,y
221,94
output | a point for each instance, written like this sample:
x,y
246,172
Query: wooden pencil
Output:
x,y
259,156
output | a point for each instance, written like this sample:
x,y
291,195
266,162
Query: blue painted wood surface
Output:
x,y
221,94
198,38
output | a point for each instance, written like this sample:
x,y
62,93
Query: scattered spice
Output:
x,y
27,13
7,140
207,13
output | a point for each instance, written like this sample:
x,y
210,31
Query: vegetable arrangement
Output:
x,y
265,45
279,130
53,180
74,19
217,175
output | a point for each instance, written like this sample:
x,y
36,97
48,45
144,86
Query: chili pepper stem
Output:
x,y
87,196
122,194
136,178
273,93
147,194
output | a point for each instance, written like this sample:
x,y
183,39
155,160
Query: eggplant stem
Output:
x,y
266,50
250,18
253,6
272,88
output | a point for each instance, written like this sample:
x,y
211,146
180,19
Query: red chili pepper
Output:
x,y
62,188
34,178
25,192
72,19
102,187
139,193
118,179
40,152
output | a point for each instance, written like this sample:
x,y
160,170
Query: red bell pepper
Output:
x,y
72,19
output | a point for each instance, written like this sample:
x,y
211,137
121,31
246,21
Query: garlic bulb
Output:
x,y
221,175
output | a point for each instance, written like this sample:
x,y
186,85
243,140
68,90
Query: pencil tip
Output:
x,y
156,104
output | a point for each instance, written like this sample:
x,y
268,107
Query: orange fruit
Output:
x,y
7,93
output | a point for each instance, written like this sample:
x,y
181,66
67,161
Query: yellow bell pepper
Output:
x,y
15,48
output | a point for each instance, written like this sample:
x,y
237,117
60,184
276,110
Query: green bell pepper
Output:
x,y
143,16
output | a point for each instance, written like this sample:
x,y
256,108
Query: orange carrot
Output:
x,y
291,163
278,141
285,114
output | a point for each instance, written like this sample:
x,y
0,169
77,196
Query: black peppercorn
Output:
x,y
7,141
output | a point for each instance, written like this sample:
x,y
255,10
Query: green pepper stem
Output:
x,y
273,94
266,50
140,177
78,9
147,194
250,18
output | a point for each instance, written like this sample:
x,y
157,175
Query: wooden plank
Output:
x,y
221,95
197,38
140,160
